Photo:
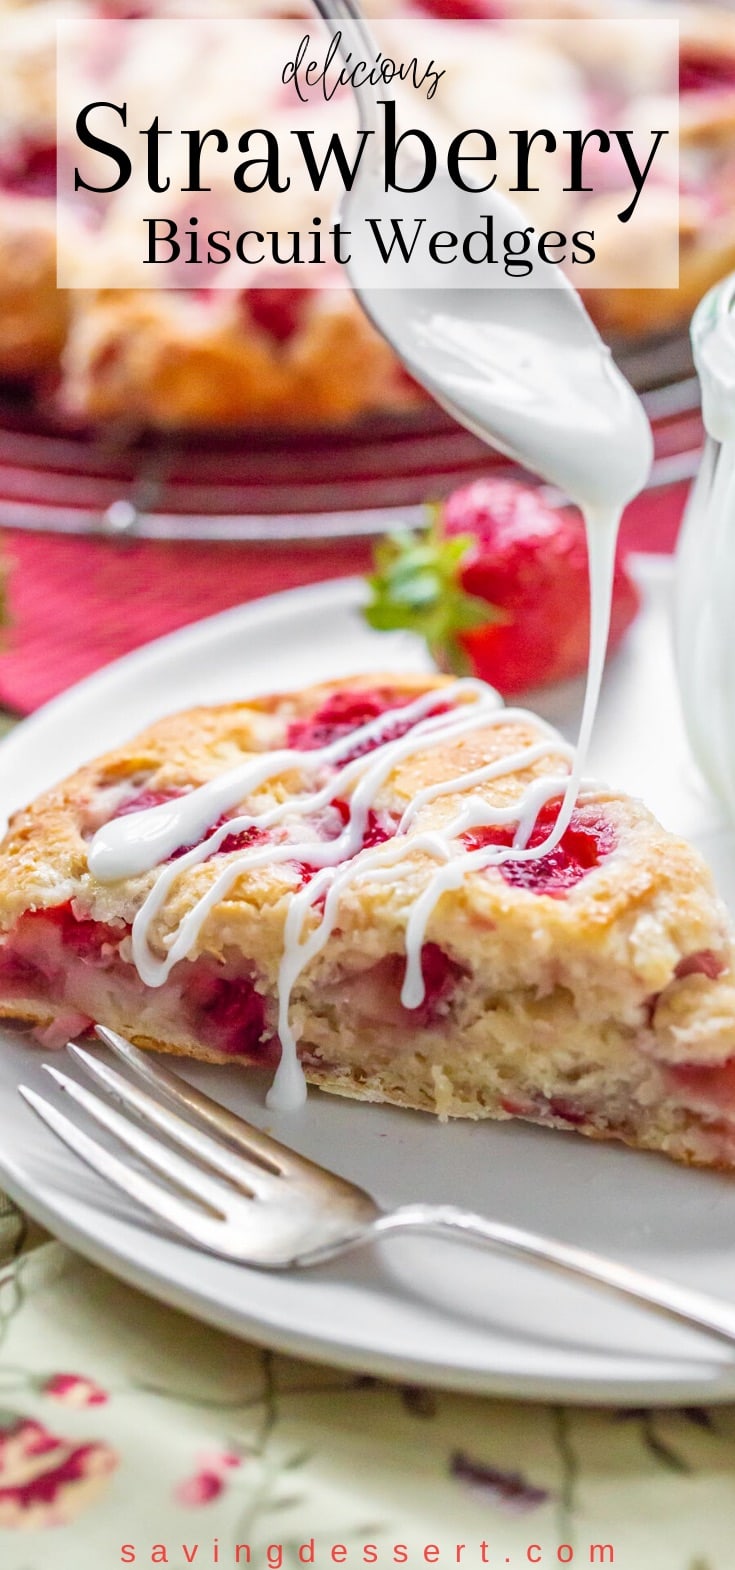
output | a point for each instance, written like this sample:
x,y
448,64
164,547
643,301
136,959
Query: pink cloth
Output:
x,y
77,603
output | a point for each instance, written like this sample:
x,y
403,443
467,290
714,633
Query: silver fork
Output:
x,y
237,1192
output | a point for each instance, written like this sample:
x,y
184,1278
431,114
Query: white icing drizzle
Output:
x,y
119,851
138,843
127,846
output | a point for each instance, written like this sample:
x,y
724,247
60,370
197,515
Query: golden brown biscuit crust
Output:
x,y
588,1011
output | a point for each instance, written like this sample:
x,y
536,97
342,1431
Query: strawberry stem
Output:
x,y
417,586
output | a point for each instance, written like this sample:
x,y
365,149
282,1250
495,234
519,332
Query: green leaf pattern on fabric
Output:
x,y
159,1430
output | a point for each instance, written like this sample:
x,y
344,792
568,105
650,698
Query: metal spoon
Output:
x,y
521,366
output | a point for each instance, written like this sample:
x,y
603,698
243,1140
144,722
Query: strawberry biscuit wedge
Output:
x,y
372,875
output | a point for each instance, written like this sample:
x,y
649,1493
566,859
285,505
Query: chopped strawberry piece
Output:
x,y
29,169
589,837
278,312
19,972
700,72
516,1108
229,1012
92,942
704,963
242,839
378,829
709,1087
343,808
340,714
540,1106
86,939
440,974
306,873
143,800
63,1028
463,10
373,996
344,712
226,1012
559,1107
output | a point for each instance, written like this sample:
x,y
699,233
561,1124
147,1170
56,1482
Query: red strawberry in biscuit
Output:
x,y
498,587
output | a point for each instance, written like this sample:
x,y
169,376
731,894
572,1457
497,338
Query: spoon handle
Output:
x,y
334,13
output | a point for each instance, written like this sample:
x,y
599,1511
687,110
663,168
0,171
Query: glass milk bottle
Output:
x,y
705,562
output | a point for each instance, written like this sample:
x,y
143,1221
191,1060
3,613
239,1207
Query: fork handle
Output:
x,y
690,1308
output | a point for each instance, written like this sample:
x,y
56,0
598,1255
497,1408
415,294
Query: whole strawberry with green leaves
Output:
x,y
498,587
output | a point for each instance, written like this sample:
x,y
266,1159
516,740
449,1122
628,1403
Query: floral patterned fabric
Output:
x,y
131,1434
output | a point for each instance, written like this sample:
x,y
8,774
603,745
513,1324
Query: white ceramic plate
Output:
x,y
425,1310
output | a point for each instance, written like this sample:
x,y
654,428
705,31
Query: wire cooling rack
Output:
x,y
317,485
